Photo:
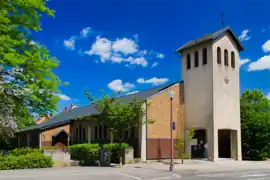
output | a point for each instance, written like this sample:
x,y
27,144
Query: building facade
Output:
x,y
208,100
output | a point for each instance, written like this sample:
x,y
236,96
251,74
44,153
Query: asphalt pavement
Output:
x,y
103,173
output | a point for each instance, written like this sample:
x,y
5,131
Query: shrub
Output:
x,y
114,148
24,151
87,154
28,161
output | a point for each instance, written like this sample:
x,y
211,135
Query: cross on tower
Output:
x,y
222,19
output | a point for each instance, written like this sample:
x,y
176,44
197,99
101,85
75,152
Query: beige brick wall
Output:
x,y
47,135
159,111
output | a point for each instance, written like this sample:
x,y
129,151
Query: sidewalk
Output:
x,y
203,166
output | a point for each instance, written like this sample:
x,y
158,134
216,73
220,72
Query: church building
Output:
x,y
207,100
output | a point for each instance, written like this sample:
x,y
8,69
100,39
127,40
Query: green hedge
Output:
x,y
24,151
114,148
87,154
31,160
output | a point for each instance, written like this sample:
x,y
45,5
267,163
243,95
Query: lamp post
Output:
x,y
171,95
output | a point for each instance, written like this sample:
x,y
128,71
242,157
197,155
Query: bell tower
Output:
x,y
210,70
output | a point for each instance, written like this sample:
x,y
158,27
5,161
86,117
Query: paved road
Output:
x,y
95,173
244,175
87,173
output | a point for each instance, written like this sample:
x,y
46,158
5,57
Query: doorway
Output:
x,y
197,151
60,140
224,143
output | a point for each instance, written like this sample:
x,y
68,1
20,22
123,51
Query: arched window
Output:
x,y
204,56
188,62
196,62
232,59
218,55
226,58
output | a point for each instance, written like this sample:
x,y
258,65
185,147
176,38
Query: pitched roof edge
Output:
x,y
211,37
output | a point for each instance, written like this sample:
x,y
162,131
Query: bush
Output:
x,y
114,148
28,161
87,154
24,151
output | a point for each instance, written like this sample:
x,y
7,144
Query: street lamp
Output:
x,y
171,95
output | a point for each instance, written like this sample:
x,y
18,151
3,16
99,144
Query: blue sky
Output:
x,y
129,45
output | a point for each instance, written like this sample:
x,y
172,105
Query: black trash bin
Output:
x,y
104,157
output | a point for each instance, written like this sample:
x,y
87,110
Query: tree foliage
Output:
x,y
27,84
255,121
118,116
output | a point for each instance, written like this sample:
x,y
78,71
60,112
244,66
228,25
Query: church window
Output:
x,y
196,62
218,55
188,62
232,59
204,56
226,61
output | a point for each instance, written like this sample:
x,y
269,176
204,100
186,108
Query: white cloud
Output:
x,y
244,35
86,31
101,47
70,43
133,92
118,86
160,55
137,61
154,64
154,81
261,64
63,97
125,46
266,46
243,62
32,42
116,58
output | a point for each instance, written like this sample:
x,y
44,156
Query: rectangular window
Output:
x,y
105,132
188,62
96,132
100,132
77,135
126,133
196,62
83,135
80,132
132,133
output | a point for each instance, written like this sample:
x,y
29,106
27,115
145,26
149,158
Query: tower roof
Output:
x,y
211,37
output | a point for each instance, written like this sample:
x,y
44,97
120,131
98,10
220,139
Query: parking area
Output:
x,y
88,173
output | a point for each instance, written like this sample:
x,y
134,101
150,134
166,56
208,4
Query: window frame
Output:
x,y
226,57
204,56
219,61
188,62
196,59
232,59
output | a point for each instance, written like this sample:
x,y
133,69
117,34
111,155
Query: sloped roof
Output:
x,y
210,37
90,110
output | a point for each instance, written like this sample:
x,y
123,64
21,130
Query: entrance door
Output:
x,y
224,144
197,151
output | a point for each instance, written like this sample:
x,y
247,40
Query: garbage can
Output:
x,y
105,157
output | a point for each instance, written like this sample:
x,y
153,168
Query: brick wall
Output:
x,y
158,143
47,134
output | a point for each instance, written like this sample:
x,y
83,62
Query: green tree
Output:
x,y
255,122
27,83
180,144
118,116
